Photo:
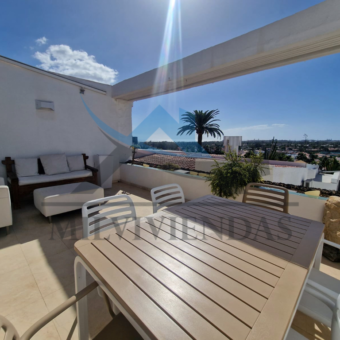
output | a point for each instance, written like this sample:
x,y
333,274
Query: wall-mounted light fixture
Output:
x,y
44,105
82,90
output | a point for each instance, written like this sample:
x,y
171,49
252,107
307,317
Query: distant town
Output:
x,y
308,151
300,165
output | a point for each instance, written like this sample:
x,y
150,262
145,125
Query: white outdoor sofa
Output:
x,y
5,206
22,186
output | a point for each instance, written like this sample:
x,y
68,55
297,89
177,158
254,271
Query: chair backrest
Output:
x,y
166,195
8,329
331,299
267,196
107,212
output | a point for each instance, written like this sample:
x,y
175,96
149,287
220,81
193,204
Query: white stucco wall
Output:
x,y
26,132
149,178
205,164
195,187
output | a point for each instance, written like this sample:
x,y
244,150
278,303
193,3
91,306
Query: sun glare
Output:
x,y
171,50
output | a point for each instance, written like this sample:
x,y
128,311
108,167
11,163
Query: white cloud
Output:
x,y
62,59
41,41
279,125
254,127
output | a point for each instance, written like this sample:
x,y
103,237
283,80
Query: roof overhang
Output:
x,y
312,33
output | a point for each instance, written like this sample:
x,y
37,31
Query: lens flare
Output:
x,y
166,78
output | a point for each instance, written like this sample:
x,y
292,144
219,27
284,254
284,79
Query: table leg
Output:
x,y
80,269
82,315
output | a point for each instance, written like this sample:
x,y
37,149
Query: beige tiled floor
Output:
x,y
36,270
36,267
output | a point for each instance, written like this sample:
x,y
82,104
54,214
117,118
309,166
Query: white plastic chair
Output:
x,y
166,195
119,326
321,279
320,250
108,212
322,305
321,298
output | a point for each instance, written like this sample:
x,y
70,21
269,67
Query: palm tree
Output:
x,y
201,123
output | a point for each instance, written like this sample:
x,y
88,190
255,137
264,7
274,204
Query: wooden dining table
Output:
x,y
211,268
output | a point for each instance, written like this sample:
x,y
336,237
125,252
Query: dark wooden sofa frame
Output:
x,y
18,192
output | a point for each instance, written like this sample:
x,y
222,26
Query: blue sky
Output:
x,y
114,40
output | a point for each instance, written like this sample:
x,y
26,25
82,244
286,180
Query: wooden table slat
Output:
x,y
211,289
241,292
225,257
211,238
298,221
238,233
261,230
137,304
185,316
266,245
219,317
234,273
246,245
220,234
283,226
248,233
308,245
278,311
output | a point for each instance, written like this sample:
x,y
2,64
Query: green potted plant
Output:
x,y
228,179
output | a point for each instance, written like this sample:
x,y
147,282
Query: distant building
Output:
x,y
134,140
232,143
328,180
293,155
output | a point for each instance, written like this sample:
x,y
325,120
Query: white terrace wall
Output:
x,y
27,132
150,178
195,186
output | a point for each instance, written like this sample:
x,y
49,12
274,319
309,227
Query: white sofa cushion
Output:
x,y
54,164
62,198
76,163
26,166
5,207
52,178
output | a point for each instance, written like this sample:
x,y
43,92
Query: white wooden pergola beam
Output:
x,y
312,33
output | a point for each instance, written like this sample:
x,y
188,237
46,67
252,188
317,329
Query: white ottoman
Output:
x,y
63,198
